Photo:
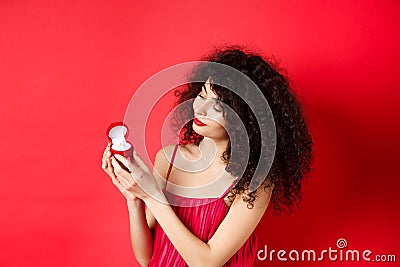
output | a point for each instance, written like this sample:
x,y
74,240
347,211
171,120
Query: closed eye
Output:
x,y
218,108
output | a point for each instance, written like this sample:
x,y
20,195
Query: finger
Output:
x,y
121,187
125,162
106,149
105,159
135,171
138,160
104,164
122,174
104,152
110,169
114,179
117,183
121,182
107,152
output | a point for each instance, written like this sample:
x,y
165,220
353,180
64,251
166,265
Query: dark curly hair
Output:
x,y
294,147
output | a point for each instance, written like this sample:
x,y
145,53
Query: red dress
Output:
x,y
202,220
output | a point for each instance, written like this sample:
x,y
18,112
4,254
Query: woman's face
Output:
x,y
208,114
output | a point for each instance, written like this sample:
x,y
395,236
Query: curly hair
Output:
x,y
294,147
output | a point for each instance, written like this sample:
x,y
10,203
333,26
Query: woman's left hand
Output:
x,y
140,181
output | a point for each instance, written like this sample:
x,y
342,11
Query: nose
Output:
x,y
202,108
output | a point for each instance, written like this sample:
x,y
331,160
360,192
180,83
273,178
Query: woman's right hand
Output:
x,y
108,168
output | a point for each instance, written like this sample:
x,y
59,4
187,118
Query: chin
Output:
x,y
198,129
205,131
208,132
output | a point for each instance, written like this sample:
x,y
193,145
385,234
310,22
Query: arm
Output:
x,y
141,238
141,218
161,165
217,251
192,249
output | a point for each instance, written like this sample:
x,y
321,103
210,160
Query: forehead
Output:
x,y
208,89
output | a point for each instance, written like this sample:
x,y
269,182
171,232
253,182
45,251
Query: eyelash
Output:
x,y
217,110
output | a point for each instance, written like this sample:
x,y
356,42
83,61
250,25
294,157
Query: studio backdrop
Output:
x,y
70,68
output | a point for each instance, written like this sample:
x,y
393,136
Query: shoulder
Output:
x,y
189,151
262,196
165,152
239,216
163,159
240,208
164,156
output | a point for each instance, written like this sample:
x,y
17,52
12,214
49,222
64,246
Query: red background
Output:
x,y
69,68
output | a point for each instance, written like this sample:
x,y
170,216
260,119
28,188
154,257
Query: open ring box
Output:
x,y
117,133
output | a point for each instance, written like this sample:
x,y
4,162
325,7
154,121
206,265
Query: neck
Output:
x,y
215,147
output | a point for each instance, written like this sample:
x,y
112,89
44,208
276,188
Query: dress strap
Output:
x,y
172,161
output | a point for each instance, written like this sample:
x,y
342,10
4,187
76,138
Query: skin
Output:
x,y
144,208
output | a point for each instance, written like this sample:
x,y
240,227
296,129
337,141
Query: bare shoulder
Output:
x,y
190,151
262,194
239,216
189,147
164,156
163,159
262,197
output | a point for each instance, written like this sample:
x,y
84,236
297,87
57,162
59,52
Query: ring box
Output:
x,y
117,133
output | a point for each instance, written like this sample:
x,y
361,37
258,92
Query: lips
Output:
x,y
198,122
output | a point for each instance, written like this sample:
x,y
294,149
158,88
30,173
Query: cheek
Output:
x,y
211,113
216,116
197,103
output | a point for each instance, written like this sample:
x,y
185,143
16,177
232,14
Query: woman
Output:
x,y
173,229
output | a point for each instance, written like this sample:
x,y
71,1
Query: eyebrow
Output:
x,y
214,99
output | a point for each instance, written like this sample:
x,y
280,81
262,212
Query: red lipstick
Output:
x,y
198,122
